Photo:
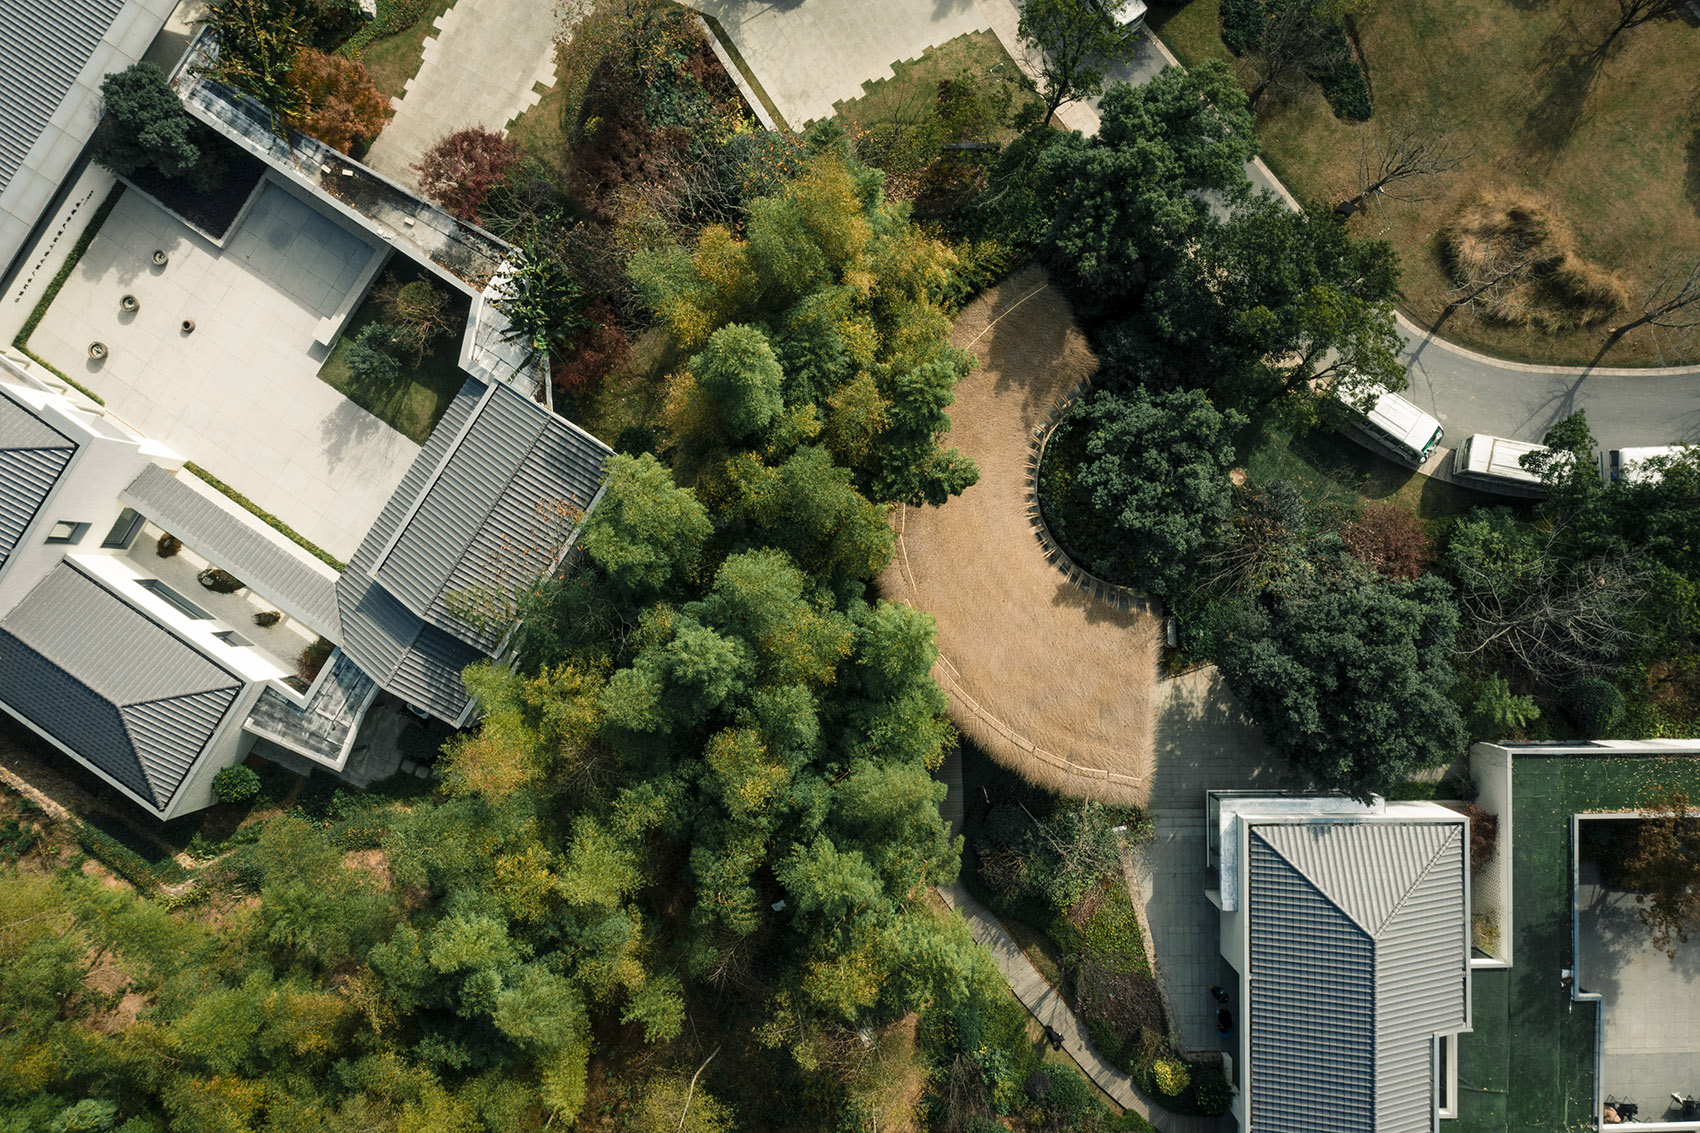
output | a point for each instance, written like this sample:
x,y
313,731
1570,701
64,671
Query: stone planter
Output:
x,y
130,303
159,257
188,326
97,350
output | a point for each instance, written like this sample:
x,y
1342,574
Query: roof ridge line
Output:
x,y
1418,879
1311,881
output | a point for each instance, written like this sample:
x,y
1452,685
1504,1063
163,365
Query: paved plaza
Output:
x,y
1651,1045
240,396
810,54
481,69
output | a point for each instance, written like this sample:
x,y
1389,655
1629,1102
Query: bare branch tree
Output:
x,y
1633,13
1399,162
1673,303
1295,43
1491,280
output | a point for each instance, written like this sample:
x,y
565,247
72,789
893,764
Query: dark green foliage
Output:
x,y
1349,673
144,125
1150,488
219,581
1123,205
1347,91
236,784
1595,704
1074,42
1242,25
1212,1092
371,356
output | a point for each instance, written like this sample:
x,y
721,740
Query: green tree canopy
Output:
x,y
144,126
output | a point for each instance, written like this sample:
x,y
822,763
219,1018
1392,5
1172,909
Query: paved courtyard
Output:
x,y
810,54
481,69
241,395
1651,1002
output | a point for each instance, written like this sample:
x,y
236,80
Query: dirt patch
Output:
x,y
108,986
1050,680
375,863
107,879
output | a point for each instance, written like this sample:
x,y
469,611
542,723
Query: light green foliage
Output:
x,y
1171,1075
672,1105
1074,41
738,371
646,531
1498,712
845,292
809,508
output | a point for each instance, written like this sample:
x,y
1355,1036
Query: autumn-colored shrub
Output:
x,y
1484,835
1390,539
592,356
343,107
461,168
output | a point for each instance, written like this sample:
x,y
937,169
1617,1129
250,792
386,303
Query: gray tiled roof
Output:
x,y
32,457
110,683
44,46
1358,959
496,513
284,575
466,516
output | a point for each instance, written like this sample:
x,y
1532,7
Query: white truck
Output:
x,y
1395,428
1493,464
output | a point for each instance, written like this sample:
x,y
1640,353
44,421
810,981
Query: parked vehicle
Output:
x,y
1129,14
1396,429
1493,464
1629,464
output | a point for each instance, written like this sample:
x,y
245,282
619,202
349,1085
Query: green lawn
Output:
x,y
1335,474
412,406
1614,145
912,91
394,59
1529,1064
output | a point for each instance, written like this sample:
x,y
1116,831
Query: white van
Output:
x,y
1494,464
1629,464
1395,428
1129,14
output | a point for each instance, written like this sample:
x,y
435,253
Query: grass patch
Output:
x,y
268,518
1039,949
543,131
395,44
1192,31
414,405
1338,477
1613,143
911,95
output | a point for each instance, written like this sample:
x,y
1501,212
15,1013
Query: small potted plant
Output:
x,y
159,256
188,326
97,350
169,545
130,303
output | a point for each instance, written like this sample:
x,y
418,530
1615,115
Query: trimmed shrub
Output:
x,y
1347,92
369,356
1212,1092
168,545
1242,25
219,581
1171,1076
267,618
236,784
416,315
1595,705
1390,539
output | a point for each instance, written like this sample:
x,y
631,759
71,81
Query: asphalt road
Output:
x,y
1473,393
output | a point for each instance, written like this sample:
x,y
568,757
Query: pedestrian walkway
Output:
x,y
480,70
1048,1007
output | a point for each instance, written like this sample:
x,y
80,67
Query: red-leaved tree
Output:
x,y
459,171
343,107
1391,539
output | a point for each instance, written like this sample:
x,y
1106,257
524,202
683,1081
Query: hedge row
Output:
x,y
268,518
21,341
393,18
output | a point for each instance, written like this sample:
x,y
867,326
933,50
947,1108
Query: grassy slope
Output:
x,y
413,406
395,59
1616,146
912,91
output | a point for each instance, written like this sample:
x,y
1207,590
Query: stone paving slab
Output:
x,y
812,54
481,69
241,395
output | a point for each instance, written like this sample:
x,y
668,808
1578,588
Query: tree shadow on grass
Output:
x,y
1567,82
1691,179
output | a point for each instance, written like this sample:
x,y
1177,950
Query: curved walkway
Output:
x,y
1051,679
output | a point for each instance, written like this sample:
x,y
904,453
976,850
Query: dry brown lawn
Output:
x,y
1049,680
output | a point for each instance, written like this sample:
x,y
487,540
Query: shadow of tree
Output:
x,y
1691,178
1568,80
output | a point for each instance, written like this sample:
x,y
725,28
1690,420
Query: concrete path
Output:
x,y
811,54
481,70
1047,1006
